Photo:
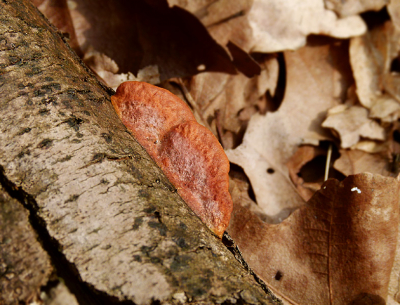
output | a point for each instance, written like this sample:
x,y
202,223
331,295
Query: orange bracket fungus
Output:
x,y
187,152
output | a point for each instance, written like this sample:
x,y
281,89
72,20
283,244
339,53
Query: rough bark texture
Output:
x,y
19,252
113,225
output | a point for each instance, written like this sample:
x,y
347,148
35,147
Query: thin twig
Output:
x,y
328,162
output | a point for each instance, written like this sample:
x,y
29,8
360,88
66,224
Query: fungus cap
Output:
x,y
187,152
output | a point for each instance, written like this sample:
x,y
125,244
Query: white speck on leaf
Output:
x,y
356,189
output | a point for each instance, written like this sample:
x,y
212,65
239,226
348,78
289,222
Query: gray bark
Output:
x,y
19,251
112,225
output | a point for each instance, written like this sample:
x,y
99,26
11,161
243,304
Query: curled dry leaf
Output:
x,y
224,19
371,57
353,162
107,69
267,21
354,7
337,249
352,123
261,25
317,79
188,153
233,95
303,155
138,34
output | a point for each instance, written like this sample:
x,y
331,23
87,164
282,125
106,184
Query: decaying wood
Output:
x,y
113,225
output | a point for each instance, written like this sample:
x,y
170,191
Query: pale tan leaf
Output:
x,y
371,57
353,123
337,249
371,146
355,161
394,12
271,31
354,7
270,25
236,97
108,69
271,140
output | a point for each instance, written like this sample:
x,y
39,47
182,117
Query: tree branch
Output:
x,y
110,221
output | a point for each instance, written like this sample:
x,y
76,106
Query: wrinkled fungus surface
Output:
x,y
188,153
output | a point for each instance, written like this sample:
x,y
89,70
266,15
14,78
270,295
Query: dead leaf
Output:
x,y
262,25
138,34
107,69
338,248
271,33
235,97
371,146
394,283
351,123
354,7
353,162
317,79
394,12
239,191
371,57
302,156
225,20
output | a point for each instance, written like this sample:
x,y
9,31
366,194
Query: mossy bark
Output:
x,y
112,225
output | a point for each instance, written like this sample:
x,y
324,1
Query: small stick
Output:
x,y
328,162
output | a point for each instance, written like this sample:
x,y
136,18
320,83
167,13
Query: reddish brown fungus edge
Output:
x,y
187,152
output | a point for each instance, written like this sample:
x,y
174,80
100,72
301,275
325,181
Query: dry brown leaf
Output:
x,y
317,79
371,57
353,7
371,146
394,283
226,20
353,162
263,25
394,12
338,248
239,191
301,157
107,69
137,34
235,97
272,32
351,123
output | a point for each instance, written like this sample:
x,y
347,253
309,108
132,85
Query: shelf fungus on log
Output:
x,y
187,152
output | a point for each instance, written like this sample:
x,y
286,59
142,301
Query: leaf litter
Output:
x,y
276,81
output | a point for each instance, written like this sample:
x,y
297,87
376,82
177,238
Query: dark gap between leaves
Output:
x,y
274,102
314,170
375,19
238,173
